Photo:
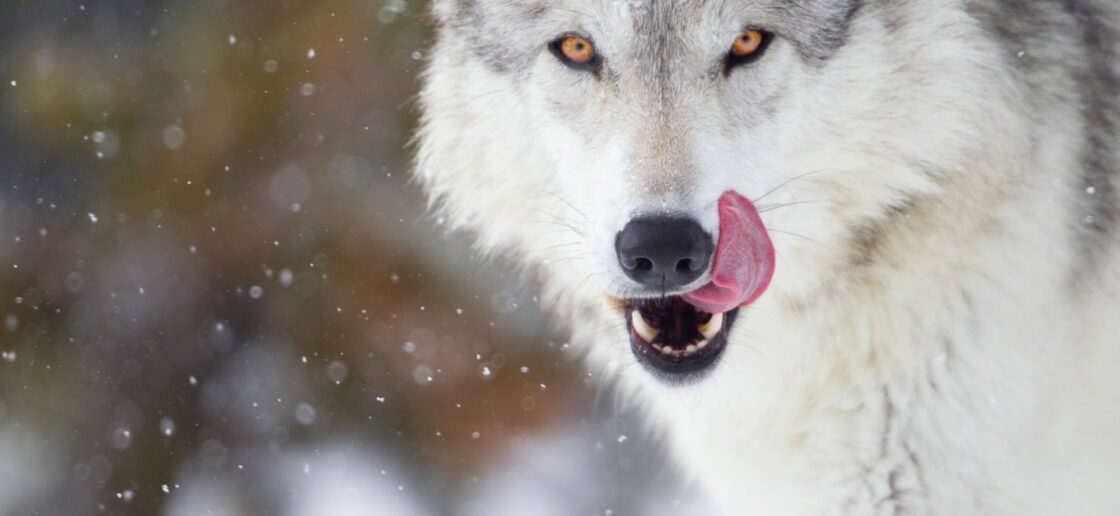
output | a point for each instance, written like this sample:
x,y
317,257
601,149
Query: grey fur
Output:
x,y
818,27
1085,62
1100,98
487,29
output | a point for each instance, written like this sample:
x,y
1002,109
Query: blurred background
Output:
x,y
220,294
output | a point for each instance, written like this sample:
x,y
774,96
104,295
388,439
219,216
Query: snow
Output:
x,y
122,438
167,426
422,375
337,371
305,414
174,137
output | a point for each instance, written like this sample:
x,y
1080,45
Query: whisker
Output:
x,y
785,183
771,207
790,233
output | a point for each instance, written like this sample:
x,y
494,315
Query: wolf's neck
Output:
x,y
880,389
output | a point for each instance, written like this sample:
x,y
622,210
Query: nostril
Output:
x,y
664,251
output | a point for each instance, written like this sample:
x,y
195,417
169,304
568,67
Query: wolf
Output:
x,y
854,257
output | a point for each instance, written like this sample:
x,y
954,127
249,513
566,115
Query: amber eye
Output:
x,y
747,43
748,46
576,52
577,49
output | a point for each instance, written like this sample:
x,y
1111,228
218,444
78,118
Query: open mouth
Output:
x,y
681,338
674,337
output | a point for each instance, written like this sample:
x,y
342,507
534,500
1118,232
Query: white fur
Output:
x,y
956,372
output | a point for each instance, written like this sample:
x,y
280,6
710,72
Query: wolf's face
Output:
x,y
668,158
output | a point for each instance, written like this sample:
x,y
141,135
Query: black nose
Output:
x,y
664,252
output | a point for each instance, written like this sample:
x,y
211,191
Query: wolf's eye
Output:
x,y
749,45
576,51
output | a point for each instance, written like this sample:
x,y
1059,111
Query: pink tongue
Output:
x,y
744,262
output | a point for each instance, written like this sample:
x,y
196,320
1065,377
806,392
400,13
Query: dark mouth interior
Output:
x,y
675,337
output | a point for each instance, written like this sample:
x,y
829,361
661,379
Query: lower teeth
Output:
x,y
691,349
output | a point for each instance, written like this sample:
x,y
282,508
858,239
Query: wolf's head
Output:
x,y
659,160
